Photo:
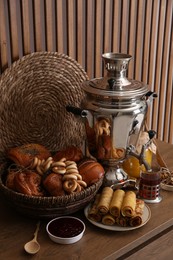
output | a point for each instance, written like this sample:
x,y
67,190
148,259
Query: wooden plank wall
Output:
x,y
84,29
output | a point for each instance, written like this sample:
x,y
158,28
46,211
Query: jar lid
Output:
x,y
115,84
101,87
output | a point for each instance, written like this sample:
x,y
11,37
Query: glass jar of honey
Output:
x,y
133,167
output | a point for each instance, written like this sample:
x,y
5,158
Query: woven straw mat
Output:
x,y
34,93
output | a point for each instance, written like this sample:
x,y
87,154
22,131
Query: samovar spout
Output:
x,y
141,157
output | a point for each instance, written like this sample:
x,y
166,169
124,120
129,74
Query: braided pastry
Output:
x,y
24,155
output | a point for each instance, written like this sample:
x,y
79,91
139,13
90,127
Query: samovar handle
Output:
x,y
150,96
77,111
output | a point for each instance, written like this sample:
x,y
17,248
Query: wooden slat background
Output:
x,y
84,29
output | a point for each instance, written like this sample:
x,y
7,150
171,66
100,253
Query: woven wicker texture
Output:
x,y
48,207
34,93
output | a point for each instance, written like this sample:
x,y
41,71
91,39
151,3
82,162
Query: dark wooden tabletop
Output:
x,y
97,243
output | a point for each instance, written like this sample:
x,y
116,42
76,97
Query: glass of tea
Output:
x,y
149,186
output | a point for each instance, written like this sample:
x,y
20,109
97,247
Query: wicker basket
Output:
x,y
34,93
48,207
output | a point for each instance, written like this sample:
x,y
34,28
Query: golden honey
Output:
x,y
132,166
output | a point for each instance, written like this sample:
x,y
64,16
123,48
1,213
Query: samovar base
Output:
x,y
116,178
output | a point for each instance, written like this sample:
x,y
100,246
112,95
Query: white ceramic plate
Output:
x,y
145,218
166,186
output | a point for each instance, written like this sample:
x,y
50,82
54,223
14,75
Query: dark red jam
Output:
x,y
65,227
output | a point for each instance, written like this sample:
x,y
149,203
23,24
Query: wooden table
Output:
x,y
152,241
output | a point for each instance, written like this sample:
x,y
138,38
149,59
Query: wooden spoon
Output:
x,y
32,247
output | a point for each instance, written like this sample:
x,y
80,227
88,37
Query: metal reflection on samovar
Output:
x,y
114,111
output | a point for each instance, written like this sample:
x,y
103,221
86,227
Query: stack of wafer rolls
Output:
x,y
117,207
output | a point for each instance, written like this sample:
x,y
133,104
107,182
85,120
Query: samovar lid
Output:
x,y
115,83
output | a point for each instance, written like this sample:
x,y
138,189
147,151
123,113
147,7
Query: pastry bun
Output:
x,y
53,184
10,180
90,170
26,182
24,155
71,153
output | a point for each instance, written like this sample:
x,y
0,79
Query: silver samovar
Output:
x,y
114,110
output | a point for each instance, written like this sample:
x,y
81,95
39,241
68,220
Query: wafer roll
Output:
x,y
129,204
116,202
136,220
122,221
93,212
108,219
105,199
139,207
